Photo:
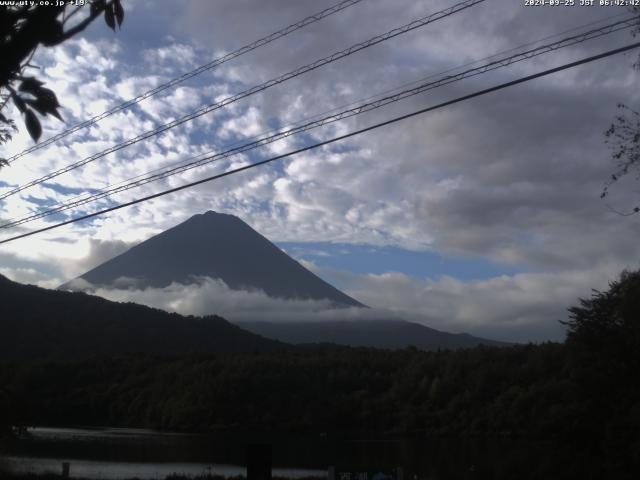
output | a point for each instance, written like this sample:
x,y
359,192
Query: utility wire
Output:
x,y
203,68
366,107
335,139
39,213
349,104
258,88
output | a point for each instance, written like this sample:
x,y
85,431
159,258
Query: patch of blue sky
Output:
x,y
40,202
368,259
59,217
56,187
63,216
343,148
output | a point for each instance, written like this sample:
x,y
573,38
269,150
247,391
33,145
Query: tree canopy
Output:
x,y
25,27
624,138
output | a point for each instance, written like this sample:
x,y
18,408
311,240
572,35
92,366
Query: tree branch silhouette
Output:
x,y
623,136
22,30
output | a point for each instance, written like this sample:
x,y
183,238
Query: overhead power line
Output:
x,y
421,22
327,119
203,68
333,140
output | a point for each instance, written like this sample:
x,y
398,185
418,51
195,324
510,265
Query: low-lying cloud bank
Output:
x,y
213,296
522,308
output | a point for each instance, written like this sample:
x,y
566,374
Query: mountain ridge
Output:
x,y
387,334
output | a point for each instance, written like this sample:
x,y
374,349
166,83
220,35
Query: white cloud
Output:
x,y
522,307
30,276
212,296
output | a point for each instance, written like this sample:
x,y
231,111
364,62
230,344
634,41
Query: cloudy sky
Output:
x,y
483,217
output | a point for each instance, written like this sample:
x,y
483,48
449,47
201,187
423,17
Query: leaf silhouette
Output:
x,y
44,106
118,11
109,17
49,96
30,84
19,102
33,125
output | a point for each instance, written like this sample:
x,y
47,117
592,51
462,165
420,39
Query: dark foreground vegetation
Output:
x,y
534,390
586,391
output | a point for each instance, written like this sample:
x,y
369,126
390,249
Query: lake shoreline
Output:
x,y
120,454
55,476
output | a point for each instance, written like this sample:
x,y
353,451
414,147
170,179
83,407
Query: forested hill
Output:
x,y
40,323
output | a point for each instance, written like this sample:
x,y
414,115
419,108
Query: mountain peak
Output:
x,y
213,215
220,246
212,219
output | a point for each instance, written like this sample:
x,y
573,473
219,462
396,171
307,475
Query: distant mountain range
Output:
x,y
40,323
222,246
218,246
390,334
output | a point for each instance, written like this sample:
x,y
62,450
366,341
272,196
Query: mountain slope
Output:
x,y
218,246
391,334
40,323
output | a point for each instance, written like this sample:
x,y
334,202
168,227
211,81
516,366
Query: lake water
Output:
x,y
110,453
